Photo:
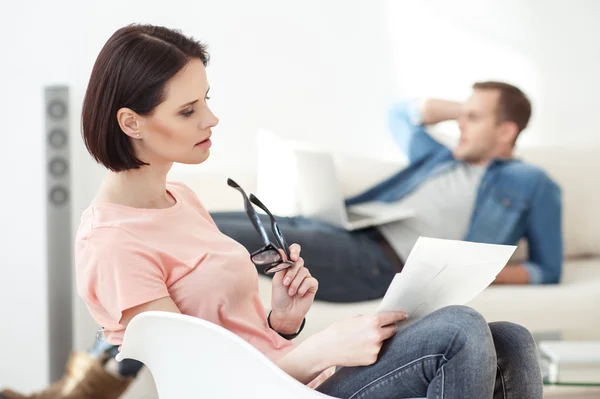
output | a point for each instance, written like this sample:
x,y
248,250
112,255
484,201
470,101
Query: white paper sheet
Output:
x,y
440,273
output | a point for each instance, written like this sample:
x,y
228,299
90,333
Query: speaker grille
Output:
x,y
57,109
57,139
58,237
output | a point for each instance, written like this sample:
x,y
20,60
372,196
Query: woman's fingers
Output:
x,y
310,284
291,272
386,318
301,274
295,252
388,331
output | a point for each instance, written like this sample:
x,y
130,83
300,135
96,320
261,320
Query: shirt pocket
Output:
x,y
509,209
509,201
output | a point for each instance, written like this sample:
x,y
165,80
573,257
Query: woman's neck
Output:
x,y
145,187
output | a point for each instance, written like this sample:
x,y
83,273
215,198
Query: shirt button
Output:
x,y
506,202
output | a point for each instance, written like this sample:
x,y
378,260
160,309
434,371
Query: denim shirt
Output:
x,y
515,199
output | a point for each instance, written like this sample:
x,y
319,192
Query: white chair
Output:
x,y
192,358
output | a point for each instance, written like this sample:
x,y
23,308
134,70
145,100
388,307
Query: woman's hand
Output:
x,y
356,341
351,342
293,292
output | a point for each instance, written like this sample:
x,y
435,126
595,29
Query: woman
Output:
x,y
148,244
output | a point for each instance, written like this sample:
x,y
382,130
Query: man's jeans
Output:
x,y
350,266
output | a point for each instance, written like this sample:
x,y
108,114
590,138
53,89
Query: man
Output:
x,y
478,192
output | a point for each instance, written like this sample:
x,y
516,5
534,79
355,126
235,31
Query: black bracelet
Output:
x,y
286,336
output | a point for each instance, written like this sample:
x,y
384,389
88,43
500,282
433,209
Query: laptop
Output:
x,y
321,197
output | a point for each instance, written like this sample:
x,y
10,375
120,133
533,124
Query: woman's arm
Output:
x,y
355,341
165,304
304,362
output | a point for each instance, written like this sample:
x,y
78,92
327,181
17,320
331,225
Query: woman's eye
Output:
x,y
206,98
187,114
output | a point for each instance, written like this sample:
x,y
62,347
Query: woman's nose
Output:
x,y
211,120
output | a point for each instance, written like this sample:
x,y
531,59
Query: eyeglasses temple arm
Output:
x,y
276,231
254,219
256,222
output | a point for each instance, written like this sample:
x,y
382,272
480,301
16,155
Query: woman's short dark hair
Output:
x,y
131,71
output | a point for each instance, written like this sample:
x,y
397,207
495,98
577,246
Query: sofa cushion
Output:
x,y
570,168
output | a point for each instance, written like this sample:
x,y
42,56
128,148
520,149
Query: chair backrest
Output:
x,y
192,358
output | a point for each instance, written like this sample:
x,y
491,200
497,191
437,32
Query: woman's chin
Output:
x,y
195,158
198,158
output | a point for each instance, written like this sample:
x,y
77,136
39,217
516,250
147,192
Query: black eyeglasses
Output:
x,y
269,255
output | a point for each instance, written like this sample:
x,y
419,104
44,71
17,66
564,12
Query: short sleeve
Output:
x,y
121,271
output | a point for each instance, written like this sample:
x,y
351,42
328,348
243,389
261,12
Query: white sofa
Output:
x,y
573,305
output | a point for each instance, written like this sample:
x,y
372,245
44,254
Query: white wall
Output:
x,y
313,70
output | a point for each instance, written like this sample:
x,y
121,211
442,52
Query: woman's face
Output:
x,y
180,127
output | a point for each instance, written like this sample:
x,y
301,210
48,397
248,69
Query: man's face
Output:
x,y
479,127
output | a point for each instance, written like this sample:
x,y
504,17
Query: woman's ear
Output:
x,y
129,122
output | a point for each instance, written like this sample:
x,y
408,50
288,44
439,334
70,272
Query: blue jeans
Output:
x,y
450,353
350,266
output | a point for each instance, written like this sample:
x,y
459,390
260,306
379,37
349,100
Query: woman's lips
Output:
x,y
204,144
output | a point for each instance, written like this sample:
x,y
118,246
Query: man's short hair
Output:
x,y
513,104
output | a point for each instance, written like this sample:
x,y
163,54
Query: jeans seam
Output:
x,y
443,378
502,381
392,372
